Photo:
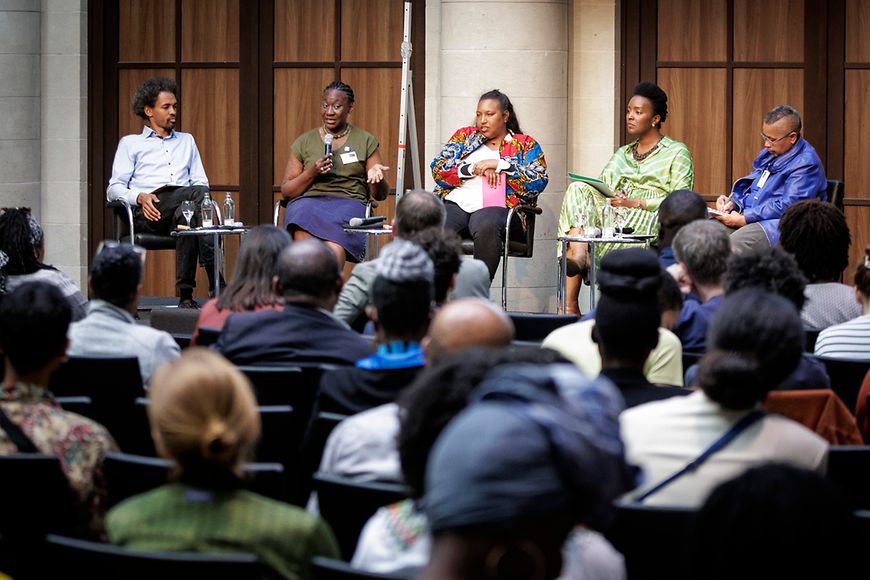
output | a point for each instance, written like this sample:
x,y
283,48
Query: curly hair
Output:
x,y
773,270
818,235
862,273
657,97
146,94
20,242
342,88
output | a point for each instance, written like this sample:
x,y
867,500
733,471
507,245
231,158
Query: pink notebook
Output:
x,y
494,196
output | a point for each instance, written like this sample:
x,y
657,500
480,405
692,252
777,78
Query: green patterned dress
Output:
x,y
667,169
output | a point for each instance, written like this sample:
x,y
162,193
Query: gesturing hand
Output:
x,y
147,201
376,173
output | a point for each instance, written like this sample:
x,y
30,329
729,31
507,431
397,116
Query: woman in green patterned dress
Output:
x,y
642,173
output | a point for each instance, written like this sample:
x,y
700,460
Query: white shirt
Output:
x,y
850,340
469,194
364,446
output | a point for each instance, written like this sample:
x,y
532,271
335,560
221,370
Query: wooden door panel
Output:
x,y
689,30
304,30
211,114
371,30
210,31
146,31
771,31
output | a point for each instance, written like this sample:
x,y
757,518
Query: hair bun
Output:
x,y
217,442
730,378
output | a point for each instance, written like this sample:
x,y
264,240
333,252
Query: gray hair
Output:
x,y
703,247
782,111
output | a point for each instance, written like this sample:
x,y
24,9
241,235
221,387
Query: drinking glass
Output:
x,y
621,219
187,210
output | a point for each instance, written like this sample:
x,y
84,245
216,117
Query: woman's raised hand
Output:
x,y
376,173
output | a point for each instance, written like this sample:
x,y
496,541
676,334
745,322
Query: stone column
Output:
x,y
19,103
521,48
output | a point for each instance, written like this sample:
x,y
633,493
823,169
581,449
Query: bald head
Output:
x,y
309,271
467,323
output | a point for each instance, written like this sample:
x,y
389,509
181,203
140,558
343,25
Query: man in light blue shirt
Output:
x,y
158,169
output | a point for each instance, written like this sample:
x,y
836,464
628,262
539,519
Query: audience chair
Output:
x,y
846,378
125,227
535,327
862,527
653,540
810,337
79,558
311,452
849,469
79,405
819,410
329,569
512,248
294,385
207,336
179,322
129,475
836,193
279,437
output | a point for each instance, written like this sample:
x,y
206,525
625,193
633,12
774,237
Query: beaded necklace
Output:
x,y
641,156
338,135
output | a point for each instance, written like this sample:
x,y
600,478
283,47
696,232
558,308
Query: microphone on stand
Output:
x,y
327,144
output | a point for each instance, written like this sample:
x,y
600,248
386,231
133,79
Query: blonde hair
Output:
x,y
203,413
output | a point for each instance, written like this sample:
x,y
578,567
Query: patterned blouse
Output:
x,y
525,179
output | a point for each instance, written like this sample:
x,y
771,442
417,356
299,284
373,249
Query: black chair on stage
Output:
x,y
535,327
849,470
329,569
79,558
846,378
347,505
836,193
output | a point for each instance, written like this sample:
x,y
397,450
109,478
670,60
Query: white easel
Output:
x,y
407,118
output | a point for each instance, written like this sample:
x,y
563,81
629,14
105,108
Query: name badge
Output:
x,y
349,157
763,179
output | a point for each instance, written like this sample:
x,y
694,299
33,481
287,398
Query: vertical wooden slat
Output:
x,y
304,30
689,30
147,30
770,31
210,30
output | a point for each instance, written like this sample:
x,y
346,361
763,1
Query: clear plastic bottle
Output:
x,y
608,219
207,211
229,210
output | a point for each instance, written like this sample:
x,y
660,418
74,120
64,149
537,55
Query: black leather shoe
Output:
x,y
188,303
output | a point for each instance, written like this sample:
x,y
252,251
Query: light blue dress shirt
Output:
x,y
145,162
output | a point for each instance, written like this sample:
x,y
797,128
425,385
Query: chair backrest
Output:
x,y
280,435
38,500
534,326
810,337
819,410
175,321
80,558
846,378
849,470
208,336
836,193
652,539
329,569
348,504
79,405
691,358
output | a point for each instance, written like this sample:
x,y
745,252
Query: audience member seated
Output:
x,y
756,341
817,234
664,365
445,250
466,323
775,521
253,284
678,209
786,171
851,340
498,514
402,304
305,331
22,248
702,249
204,417
110,329
34,320
627,323
418,210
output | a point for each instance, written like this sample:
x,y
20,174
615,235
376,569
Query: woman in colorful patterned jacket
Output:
x,y
642,174
491,156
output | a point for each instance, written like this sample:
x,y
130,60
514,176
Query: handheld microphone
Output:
x,y
327,144
369,221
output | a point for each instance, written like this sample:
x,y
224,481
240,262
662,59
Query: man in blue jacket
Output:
x,y
785,172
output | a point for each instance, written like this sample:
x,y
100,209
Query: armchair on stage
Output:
x,y
124,227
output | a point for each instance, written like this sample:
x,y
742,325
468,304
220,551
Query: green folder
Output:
x,y
599,185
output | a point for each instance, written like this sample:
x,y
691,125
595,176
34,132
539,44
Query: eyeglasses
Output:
x,y
771,140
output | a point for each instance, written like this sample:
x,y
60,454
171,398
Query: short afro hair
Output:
x,y
657,97
146,94
772,270
818,235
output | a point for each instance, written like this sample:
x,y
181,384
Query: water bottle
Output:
x,y
229,210
207,212
608,219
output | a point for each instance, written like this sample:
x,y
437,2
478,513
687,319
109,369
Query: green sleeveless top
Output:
x,y
347,177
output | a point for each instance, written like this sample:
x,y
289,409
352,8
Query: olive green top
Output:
x,y
347,177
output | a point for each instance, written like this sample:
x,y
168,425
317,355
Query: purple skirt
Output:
x,y
323,217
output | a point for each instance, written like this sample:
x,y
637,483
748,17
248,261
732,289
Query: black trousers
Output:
x,y
486,227
187,248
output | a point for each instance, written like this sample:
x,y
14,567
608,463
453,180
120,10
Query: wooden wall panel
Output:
x,y
147,31
372,30
697,117
128,80
858,218
857,135
304,30
857,25
211,114
772,30
210,30
756,91
689,30
297,109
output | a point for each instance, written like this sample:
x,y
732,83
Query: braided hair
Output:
x,y
513,123
342,88
20,242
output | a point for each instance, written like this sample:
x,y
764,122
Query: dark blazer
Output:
x,y
636,390
297,334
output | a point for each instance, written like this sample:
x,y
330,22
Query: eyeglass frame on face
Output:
x,y
765,139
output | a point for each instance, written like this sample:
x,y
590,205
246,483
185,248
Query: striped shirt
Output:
x,y
850,340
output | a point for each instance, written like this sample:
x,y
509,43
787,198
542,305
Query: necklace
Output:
x,y
641,156
338,135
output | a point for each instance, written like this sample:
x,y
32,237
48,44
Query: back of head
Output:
x,y
862,274
754,342
670,300
34,319
203,415
116,274
256,266
817,234
445,249
703,246
628,314
681,207
308,269
418,210
466,323
772,270
402,291
20,242
761,521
